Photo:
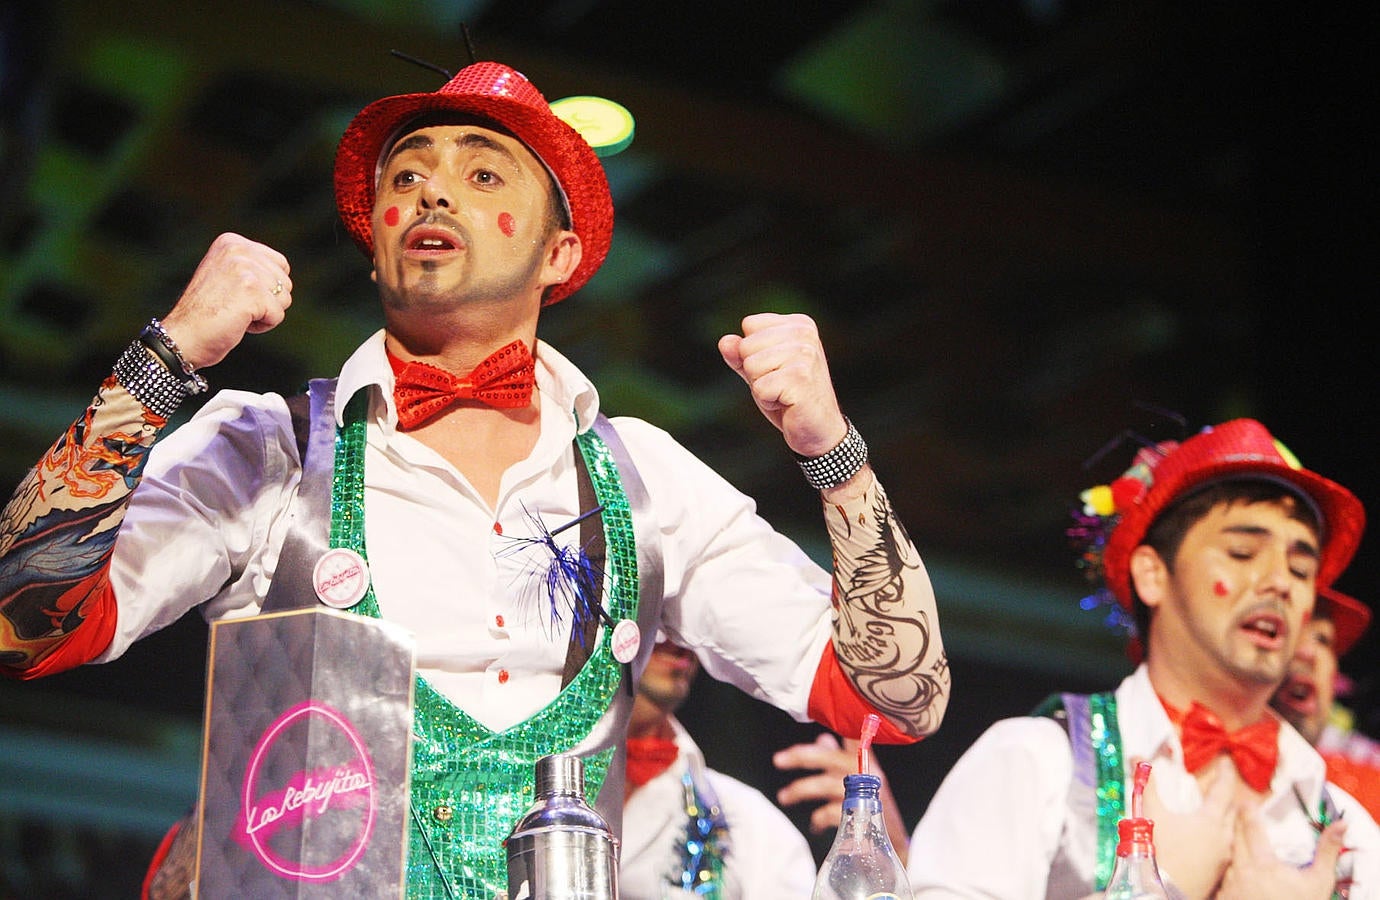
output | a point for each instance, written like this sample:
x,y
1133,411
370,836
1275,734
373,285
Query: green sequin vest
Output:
x,y
470,784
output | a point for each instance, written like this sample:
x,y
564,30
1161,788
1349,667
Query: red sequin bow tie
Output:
x,y
504,380
1254,749
648,758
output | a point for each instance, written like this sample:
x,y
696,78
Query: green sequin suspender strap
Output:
x,y
1095,740
470,784
1105,740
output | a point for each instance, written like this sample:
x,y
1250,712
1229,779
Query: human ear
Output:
x,y
1149,575
562,258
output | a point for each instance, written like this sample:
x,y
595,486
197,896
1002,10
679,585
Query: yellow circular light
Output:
x,y
605,125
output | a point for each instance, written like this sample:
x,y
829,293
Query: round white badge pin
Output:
x,y
341,578
627,639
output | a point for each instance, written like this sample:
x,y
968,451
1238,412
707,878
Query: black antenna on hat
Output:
x,y
1130,435
1169,414
421,62
469,47
1117,441
469,51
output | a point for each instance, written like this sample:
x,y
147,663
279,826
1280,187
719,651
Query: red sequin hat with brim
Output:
x,y
1350,618
504,96
1239,449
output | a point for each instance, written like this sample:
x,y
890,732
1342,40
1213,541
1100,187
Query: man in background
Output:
x,y
1308,697
688,829
1217,546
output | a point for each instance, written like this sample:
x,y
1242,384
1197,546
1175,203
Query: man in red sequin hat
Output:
x,y
460,447
1308,699
1216,548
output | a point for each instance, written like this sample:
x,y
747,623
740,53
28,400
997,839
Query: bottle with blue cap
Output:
x,y
862,864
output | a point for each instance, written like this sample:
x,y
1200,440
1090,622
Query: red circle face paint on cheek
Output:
x,y
391,216
1219,589
505,224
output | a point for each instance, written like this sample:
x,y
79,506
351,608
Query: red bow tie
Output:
x,y
1254,749
504,380
648,758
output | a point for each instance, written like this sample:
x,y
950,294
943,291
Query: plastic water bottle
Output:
x,y
862,864
1136,876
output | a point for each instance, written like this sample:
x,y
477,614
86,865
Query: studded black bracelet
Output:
x,y
833,468
156,338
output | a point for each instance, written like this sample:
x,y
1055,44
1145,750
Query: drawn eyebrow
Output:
x,y
412,142
470,139
464,141
1308,548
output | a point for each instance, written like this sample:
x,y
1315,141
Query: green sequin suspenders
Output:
x,y
470,784
1095,740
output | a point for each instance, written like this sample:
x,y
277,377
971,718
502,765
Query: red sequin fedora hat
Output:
x,y
1241,448
504,96
1350,618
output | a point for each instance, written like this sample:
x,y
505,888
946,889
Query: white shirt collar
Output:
x,y
685,743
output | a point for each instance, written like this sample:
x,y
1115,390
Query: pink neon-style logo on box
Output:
x,y
307,794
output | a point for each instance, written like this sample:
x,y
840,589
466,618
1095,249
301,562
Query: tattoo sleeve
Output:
x,y
58,529
886,631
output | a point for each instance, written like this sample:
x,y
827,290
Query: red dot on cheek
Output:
x,y
505,224
1219,589
391,216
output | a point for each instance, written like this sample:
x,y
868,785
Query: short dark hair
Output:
x,y
1166,533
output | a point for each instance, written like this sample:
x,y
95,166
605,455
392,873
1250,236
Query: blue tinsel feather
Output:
x,y
571,581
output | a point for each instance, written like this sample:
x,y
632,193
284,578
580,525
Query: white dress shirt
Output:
x,y
209,518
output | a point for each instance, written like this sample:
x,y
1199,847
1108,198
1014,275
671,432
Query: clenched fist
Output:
x,y
240,287
782,360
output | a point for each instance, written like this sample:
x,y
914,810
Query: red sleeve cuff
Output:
x,y
98,612
837,705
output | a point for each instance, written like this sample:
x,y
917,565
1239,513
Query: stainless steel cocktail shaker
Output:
x,y
561,849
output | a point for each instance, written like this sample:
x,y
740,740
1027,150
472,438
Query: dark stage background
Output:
x,y
1022,224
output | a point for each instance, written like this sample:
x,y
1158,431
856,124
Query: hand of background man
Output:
x,y
830,762
1256,873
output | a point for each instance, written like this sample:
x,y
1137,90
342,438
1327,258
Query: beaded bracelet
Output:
x,y
833,468
156,338
149,380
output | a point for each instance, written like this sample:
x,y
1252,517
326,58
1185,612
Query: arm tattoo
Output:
x,y
58,529
885,636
